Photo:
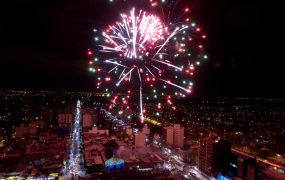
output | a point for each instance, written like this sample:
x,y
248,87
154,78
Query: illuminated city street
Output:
x,y
179,168
142,90
75,164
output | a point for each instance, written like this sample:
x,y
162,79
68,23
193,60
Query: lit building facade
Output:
x,y
168,135
140,139
178,138
174,135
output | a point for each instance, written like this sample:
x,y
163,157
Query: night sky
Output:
x,y
43,45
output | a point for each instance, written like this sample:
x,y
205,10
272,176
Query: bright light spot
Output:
x,y
193,24
96,39
154,4
198,62
205,57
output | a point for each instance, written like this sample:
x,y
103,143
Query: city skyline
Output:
x,y
55,129
141,89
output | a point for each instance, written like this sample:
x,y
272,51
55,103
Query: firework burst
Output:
x,y
143,55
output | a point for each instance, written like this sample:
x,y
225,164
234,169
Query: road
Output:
x,y
178,167
74,167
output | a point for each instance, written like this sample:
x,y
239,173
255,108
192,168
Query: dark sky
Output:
x,y
43,45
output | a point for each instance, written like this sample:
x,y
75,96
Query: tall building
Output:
x,y
178,139
140,139
214,155
168,135
206,154
174,135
